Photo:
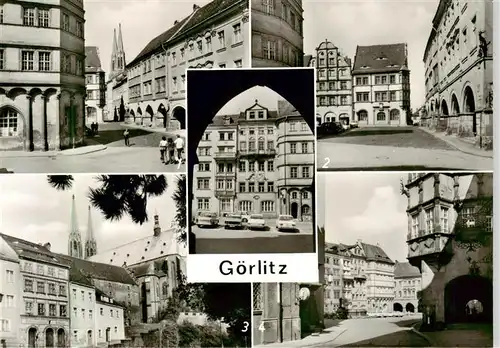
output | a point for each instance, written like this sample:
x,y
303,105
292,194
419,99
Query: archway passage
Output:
x,y
31,337
294,209
149,111
163,112
49,338
410,307
458,294
179,113
61,338
455,108
397,307
444,108
470,107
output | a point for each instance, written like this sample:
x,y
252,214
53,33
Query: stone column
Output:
x,y
45,126
299,209
58,137
31,146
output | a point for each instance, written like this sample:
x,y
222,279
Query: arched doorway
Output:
x,y
362,116
89,338
133,114
318,121
444,108
330,117
61,338
397,307
163,111
49,337
458,294
294,207
108,334
149,111
32,337
394,115
410,307
305,211
455,109
381,116
179,113
470,107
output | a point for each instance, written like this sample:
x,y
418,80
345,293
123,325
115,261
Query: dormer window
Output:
x,y
382,58
365,67
261,114
251,115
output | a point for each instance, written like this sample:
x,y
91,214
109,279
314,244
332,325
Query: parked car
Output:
x,y
286,222
244,216
354,124
329,128
345,126
256,222
207,220
340,127
233,220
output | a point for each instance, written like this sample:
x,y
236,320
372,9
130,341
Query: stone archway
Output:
x,y
460,291
469,107
49,337
61,338
294,209
410,307
32,337
163,111
330,117
455,108
179,113
149,111
397,307
444,108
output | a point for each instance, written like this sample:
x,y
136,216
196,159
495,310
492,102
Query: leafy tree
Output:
x,y
179,198
119,195
115,117
122,110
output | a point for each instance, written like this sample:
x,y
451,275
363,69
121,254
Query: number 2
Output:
x,y
245,326
327,163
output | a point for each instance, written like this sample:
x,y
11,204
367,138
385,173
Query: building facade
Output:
x,y
459,70
117,84
95,81
82,325
277,33
10,295
380,279
42,93
214,35
294,163
381,85
333,84
450,240
407,285
109,322
333,278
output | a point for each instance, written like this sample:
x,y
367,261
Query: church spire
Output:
x,y
118,53
120,40
157,227
90,243
75,239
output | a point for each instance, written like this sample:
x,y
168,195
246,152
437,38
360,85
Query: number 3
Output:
x,y
245,326
327,163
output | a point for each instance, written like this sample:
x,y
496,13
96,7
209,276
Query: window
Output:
x,y
251,166
304,147
236,33
111,313
204,184
270,186
242,166
29,16
238,63
305,195
305,172
28,307
52,289
62,311
444,222
267,206
9,301
10,276
27,61
8,123
245,206
261,144
392,79
262,187
268,6
262,166
208,42
294,172
381,116
429,220
393,96
394,115
65,21
2,59
62,290
293,147
242,187
203,204
41,309
43,17
90,313
101,311
292,127
28,285
270,166
269,49
1,14
251,187
44,61
222,39
52,310
5,325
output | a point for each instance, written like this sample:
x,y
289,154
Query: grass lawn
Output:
x,y
110,136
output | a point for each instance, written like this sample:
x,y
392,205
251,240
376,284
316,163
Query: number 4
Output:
x,y
262,327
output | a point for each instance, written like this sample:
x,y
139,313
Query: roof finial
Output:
x,y
256,101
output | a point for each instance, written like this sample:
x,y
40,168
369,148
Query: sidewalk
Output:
x,y
83,150
459,144
327,336
181,132
461,335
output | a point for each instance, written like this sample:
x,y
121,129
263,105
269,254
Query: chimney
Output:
x,y
195,7
157,228
47,246
176,22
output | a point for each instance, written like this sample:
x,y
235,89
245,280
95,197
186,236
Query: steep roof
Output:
x,y
405,270
375,253
326,45
142,250
219,120
380,58
37,252
92,60
307,59
286,109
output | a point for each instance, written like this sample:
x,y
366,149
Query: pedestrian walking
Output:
x,y
126,137
171,150
179,146
163,149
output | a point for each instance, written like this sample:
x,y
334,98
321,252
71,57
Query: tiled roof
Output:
x,y
405,270
92,60
380,58
375,253
219,120
99,293
34,251
142,250
307,59
286,109
326,45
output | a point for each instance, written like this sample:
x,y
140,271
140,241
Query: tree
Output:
x,y
119,195
122,110
179,198
115,117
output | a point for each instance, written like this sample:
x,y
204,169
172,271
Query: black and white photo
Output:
x,y
252,157
92,87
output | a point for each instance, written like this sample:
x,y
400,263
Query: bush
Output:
x,y
196,336
342,313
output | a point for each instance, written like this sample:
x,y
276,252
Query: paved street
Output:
x,y
403,148
244,241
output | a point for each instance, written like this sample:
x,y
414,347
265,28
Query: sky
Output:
x,y
266,97
32,210
366,206
370,22
141,20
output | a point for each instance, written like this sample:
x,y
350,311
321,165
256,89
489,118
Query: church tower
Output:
x,y
75,239
90,242
157,227
118,54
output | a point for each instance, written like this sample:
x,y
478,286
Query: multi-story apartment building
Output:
x,y
294,163
450,240
359,302
333,278
117,84
82,324
109,321
381,85
257,172
44,319
95,81
459,69
379,279
333,84
214,35
10,295
42,88
407,284
277,33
